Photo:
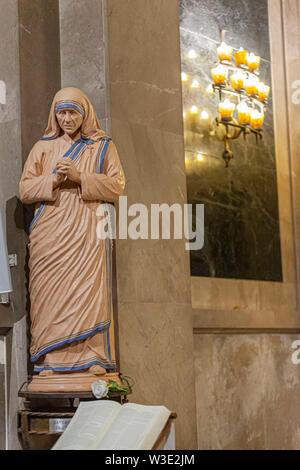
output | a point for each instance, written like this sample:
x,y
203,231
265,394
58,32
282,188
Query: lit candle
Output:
x,y
226,109
253,61
204,114
244,113
263,91
209,89
194,110
257,119
195,84
241,57
192,120
184,77
192,54
200,157
238,80
203,124
224,51
219,74
251,85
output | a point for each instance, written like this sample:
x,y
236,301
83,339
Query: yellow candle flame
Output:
x,y
224,51
241,56
251,85
226,108
253,61
243,107
238,80
244,113
226,104
219,74
257,119
192,54
194,110
204,114
263,91
255,114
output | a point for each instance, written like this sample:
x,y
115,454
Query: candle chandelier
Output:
x,y
242,96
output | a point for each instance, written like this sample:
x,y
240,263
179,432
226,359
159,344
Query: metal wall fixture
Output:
x,y
242,96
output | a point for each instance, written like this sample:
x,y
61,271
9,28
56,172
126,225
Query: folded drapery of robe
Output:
x,y
70,266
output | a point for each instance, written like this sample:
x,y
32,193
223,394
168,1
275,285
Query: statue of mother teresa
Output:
x,y
70,171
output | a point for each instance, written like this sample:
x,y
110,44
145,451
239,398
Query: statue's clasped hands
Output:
x,y
65,168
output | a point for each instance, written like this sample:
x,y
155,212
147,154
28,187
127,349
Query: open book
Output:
x,y
107,425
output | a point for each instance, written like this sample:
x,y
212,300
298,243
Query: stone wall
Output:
x,y
10,172
247,391
84,53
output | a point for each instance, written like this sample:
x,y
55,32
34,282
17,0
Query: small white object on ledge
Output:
x,y
5,279
4,298
100,389
12,260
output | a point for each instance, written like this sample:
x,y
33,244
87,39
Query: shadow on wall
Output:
x,y
18,218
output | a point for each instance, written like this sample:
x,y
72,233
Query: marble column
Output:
x,y
83,48
291,27
154,302
39,66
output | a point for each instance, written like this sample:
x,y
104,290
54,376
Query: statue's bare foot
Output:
x,y
97,370
46,372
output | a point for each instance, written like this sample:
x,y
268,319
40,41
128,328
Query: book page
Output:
x,y
90,422
135,427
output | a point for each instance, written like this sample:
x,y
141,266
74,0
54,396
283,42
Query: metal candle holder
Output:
x,y
241,95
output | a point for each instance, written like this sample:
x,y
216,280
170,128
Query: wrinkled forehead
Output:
x,y
69,104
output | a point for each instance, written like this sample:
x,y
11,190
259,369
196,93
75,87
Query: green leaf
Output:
x,y
113,386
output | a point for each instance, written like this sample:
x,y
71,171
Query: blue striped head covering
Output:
x,y
69,104
73,98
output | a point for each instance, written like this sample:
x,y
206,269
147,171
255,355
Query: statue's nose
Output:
x,y
68,117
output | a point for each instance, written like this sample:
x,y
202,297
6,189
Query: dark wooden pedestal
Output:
x,y
46,415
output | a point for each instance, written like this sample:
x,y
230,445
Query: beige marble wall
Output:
x,y
247,391
155,326
10,171
291,33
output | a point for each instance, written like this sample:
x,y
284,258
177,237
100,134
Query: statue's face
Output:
x,y
69,120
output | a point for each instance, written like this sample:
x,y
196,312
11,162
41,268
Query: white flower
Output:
x,y
100,389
